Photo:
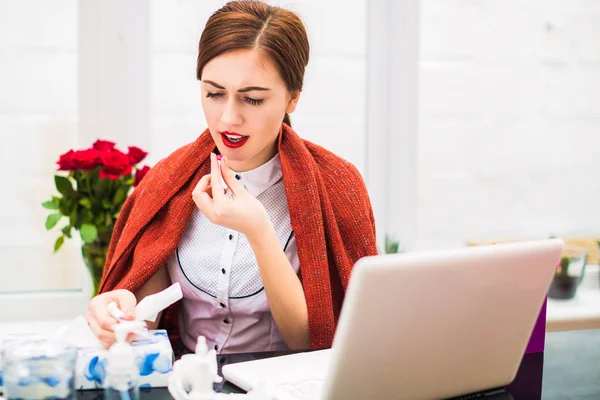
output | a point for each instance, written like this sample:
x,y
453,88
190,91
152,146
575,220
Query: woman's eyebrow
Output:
x,y
214,84
243,90
251,88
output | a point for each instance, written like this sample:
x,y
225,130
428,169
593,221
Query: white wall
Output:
x,y
509,122
38,96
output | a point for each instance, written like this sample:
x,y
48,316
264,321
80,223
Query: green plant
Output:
x,y
563,266
391,245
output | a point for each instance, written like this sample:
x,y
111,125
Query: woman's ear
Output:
x,y
293,102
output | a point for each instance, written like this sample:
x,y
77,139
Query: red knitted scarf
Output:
x,y
329,209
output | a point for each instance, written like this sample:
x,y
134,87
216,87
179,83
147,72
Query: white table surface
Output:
x,y
31,327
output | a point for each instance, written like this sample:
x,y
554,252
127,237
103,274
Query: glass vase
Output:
x,y
94,256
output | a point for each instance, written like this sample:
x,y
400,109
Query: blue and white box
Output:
x,y
7,340
154,357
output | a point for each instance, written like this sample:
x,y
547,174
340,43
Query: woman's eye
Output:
x,y
254,102
211,95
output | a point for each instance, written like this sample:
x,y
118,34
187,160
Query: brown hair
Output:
x,y
252,24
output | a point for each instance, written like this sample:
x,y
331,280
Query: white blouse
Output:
x,y
223,293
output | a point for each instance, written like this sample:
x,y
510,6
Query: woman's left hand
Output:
x,y
241,211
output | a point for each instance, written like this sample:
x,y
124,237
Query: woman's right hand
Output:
x,y
101,322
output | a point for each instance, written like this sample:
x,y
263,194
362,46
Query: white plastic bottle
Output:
x,y
122,373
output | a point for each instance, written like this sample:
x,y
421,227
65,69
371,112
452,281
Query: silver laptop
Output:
x,y
421,326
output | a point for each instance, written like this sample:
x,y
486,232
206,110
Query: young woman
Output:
x,y
262,242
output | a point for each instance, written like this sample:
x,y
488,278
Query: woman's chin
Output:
x,y
234,160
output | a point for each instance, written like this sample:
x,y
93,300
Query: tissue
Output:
x,y
77,333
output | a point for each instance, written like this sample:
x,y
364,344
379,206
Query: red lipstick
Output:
x,y
233,140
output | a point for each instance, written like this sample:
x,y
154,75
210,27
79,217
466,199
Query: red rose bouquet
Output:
x,y
95,187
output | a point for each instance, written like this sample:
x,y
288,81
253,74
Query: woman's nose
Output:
x,y
231,115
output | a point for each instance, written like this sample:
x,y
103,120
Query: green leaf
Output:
x,y
52,220
50,205
107,204
100,188
71,204
120,196
86,202
67,231
63,206
89,233
73,218
85,216
109,221
99,219
63,185
59,242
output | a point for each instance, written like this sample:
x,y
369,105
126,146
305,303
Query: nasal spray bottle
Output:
x,y
122,372
193,375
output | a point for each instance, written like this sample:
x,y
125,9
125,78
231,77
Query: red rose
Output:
x,y
86,159
116,164
104,145
65,162
136,155
140,174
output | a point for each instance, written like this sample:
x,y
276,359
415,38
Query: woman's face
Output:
x,y
244,101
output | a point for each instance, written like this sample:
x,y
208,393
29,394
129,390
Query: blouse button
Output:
x,y
226,320
230,237
238,177
223,271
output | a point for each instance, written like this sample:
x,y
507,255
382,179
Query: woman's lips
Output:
x,y
233,140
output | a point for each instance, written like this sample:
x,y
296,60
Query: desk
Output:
x,y
580,312
568,369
